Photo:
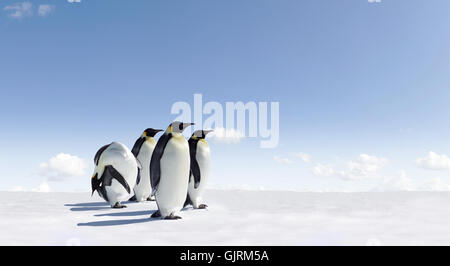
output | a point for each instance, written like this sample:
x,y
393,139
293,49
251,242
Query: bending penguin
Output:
x,y
143,150
116,172
169,171
200,165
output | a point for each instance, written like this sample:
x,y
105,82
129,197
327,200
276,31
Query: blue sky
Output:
x,y
353,78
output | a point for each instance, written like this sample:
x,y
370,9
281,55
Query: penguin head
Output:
x,y
95,182
178,127
150,132
200,134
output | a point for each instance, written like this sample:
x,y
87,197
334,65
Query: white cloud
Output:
x,y
44,10
323,170
235,187
400,182
17,189
74,1
364,166
19,10
436,184
229,136
43,187
282,160
303,156
434,161
62,166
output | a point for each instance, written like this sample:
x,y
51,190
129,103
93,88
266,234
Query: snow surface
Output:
x,y
234,218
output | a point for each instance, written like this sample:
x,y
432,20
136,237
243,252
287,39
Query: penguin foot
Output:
x,y
156,214
172,217
133,198
202,206
151,199
118,206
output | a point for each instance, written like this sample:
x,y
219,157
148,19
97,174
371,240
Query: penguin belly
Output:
x,y
173,184
119,157
203,157
143,190
116,193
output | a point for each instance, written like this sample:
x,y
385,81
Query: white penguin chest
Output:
x,y
145,154
175,168
203,157
143,189
175,162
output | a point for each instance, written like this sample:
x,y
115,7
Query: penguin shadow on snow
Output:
x,y
88,206
120,214
122,222
91,206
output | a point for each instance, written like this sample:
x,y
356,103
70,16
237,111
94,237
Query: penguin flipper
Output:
x,y
195,171
99,153
155,162
137,146
138,179
111,173
102,193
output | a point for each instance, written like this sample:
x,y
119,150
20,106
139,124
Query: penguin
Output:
x,y
115,174
169,171
200,166
142,150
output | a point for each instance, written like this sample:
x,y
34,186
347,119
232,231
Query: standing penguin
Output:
x,y
169,171
143,150
116,171
200,165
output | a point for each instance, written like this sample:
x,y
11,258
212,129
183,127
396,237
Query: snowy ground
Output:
x,y
234,218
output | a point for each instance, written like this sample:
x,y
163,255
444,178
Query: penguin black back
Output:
x,y
137,146
195,168
99,153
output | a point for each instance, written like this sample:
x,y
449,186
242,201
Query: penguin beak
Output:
x,y
186,125
155,131
207,131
